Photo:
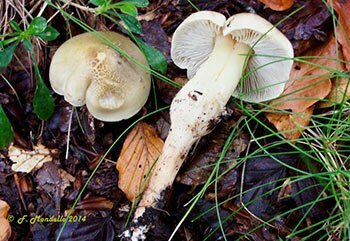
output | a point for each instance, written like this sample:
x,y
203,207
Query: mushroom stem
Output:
x,y
194,112
165,170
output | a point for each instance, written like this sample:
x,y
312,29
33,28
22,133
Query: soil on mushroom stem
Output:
x,y
267,176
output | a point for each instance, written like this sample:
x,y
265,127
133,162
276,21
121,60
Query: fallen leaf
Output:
x,y
206,220
27,161
340,85
154,34
310,80
309,83
278,5
140,149
94,228
252,228
310,191
66,179
97,203
307,28
4,209
48,180
343,28
5,228
104,183
291,125
208,151
260,177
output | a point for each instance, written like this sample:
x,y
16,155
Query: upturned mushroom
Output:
x,y
244,56
87,71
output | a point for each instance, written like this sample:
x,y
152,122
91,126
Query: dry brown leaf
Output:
x,y
340,85
27,161
140,149
4,209
278,5
343,30
95,203
292,125
67,179
5,228
308,84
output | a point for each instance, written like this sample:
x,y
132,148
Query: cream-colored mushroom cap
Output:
x,y
269,60
87,71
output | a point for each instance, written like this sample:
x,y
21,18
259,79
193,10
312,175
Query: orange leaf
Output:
x,y
341,85
291,125
309,83
278,5
4,209
343,30
140,149
5,228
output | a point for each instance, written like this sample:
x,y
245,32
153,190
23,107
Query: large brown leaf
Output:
x,y
309,83
5,228
140,149
278,5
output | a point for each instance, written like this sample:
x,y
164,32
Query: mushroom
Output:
x,y
244,56
87,71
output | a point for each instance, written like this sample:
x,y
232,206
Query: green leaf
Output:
x,y
28,45
98,2
6,54
137,3
49,34
131,23
36,26
14,25
129,9
6,133
43,102
154,57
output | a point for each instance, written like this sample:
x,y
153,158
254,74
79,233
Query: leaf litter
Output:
x,y
52,188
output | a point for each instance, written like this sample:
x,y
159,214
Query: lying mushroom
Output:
x,y
87,71
244,56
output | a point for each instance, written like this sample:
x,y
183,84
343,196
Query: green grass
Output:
x,y
318,145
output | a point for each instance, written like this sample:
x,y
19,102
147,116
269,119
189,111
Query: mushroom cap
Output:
x,y
268,66
194,40
87,71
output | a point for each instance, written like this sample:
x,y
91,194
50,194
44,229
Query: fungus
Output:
x,y
244,56
87,71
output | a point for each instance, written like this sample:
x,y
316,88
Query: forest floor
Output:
x,y
268,171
